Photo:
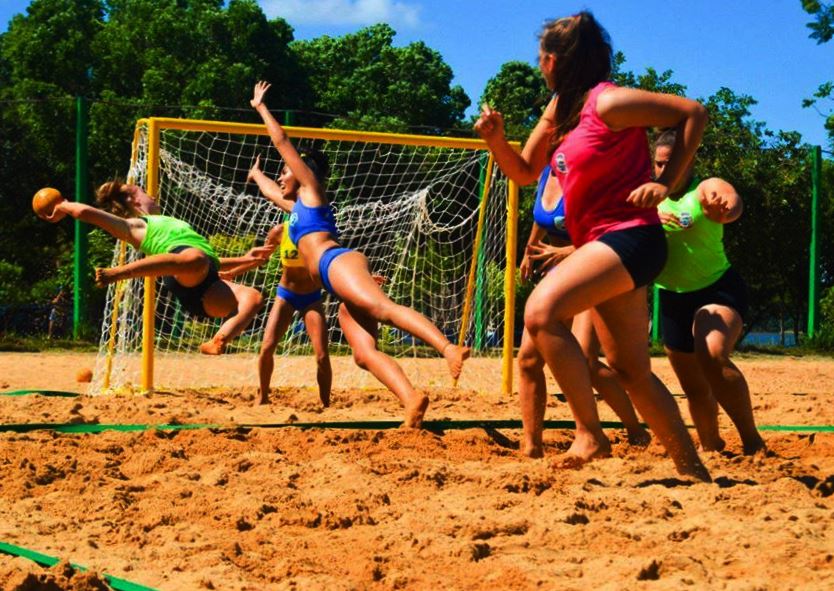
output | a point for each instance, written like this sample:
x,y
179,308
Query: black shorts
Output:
x,y
677,310
642,249
191,298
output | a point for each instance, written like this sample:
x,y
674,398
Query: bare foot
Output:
x,y
716,444
754,447
215,346
415,412
639,437
262,398
455,356
532,451
696,471
325,398
584,448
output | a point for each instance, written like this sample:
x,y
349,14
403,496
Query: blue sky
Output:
x,y
754,47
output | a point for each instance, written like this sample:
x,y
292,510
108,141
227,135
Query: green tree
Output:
x,y
519,92
365,79
822,29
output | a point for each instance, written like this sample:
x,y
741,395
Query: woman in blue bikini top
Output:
x,y
345,272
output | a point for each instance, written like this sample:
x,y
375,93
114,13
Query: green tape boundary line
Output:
x,y
366,425
54,393
50,561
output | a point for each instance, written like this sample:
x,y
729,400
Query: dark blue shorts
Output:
x,y
677,310
191,298
324,265
299,301
642,249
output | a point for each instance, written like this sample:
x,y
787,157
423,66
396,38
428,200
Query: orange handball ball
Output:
x,y
45,201
84,375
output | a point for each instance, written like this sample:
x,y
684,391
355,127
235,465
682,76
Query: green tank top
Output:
x,y
165,233
696,252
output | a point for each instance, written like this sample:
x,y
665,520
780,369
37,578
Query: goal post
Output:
x,y
432,214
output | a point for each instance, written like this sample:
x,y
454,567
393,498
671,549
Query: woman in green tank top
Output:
x,y
703,301
173,250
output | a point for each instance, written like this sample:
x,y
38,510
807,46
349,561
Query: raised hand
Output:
x,y
258,94
256,168
490,124
648,195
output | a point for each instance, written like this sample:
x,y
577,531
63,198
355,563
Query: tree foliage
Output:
x,y
364,77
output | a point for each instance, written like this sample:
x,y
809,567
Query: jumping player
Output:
x,y
594,135
703,301
186,261
344,272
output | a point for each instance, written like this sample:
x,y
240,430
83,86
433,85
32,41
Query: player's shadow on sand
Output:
x,y
721,482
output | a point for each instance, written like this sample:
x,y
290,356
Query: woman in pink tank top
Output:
x,y
594,135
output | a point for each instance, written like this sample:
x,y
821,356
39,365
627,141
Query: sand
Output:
x,y
395,509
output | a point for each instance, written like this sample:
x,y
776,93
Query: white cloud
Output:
x,y
344,12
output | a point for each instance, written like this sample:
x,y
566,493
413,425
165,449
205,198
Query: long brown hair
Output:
x,y
112,197
582,49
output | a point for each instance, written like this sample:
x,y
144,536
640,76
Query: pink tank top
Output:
x,y
598,169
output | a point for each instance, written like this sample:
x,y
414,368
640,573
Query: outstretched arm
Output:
x,y
719,200
130,230
280,139
268,187
256,257
523,168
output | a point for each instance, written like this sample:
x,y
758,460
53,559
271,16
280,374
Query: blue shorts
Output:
x,y
299,301
324,265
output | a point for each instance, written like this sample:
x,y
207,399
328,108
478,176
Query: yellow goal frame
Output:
x,y
155,125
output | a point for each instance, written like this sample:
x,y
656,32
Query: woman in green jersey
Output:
x,y
703,301
183,258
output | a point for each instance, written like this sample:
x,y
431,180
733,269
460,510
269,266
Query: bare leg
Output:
x,y
532,392
317,330
593,273
224,296
353,283
189,267
622,332
716,330
702,405
604,380
361,333
277,324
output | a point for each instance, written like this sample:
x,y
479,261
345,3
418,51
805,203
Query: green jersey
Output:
x,y
165,233
696,251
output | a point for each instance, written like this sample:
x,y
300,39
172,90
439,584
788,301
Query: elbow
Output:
x,y
699,114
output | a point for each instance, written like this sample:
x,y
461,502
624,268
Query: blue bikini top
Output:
x,y
306,220
553,220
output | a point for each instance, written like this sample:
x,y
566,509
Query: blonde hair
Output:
x,y
112,197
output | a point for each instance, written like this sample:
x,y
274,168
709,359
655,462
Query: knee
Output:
x,y
360,358
536,317
253,299
630,375
322,359
712,355
529,361
268,347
